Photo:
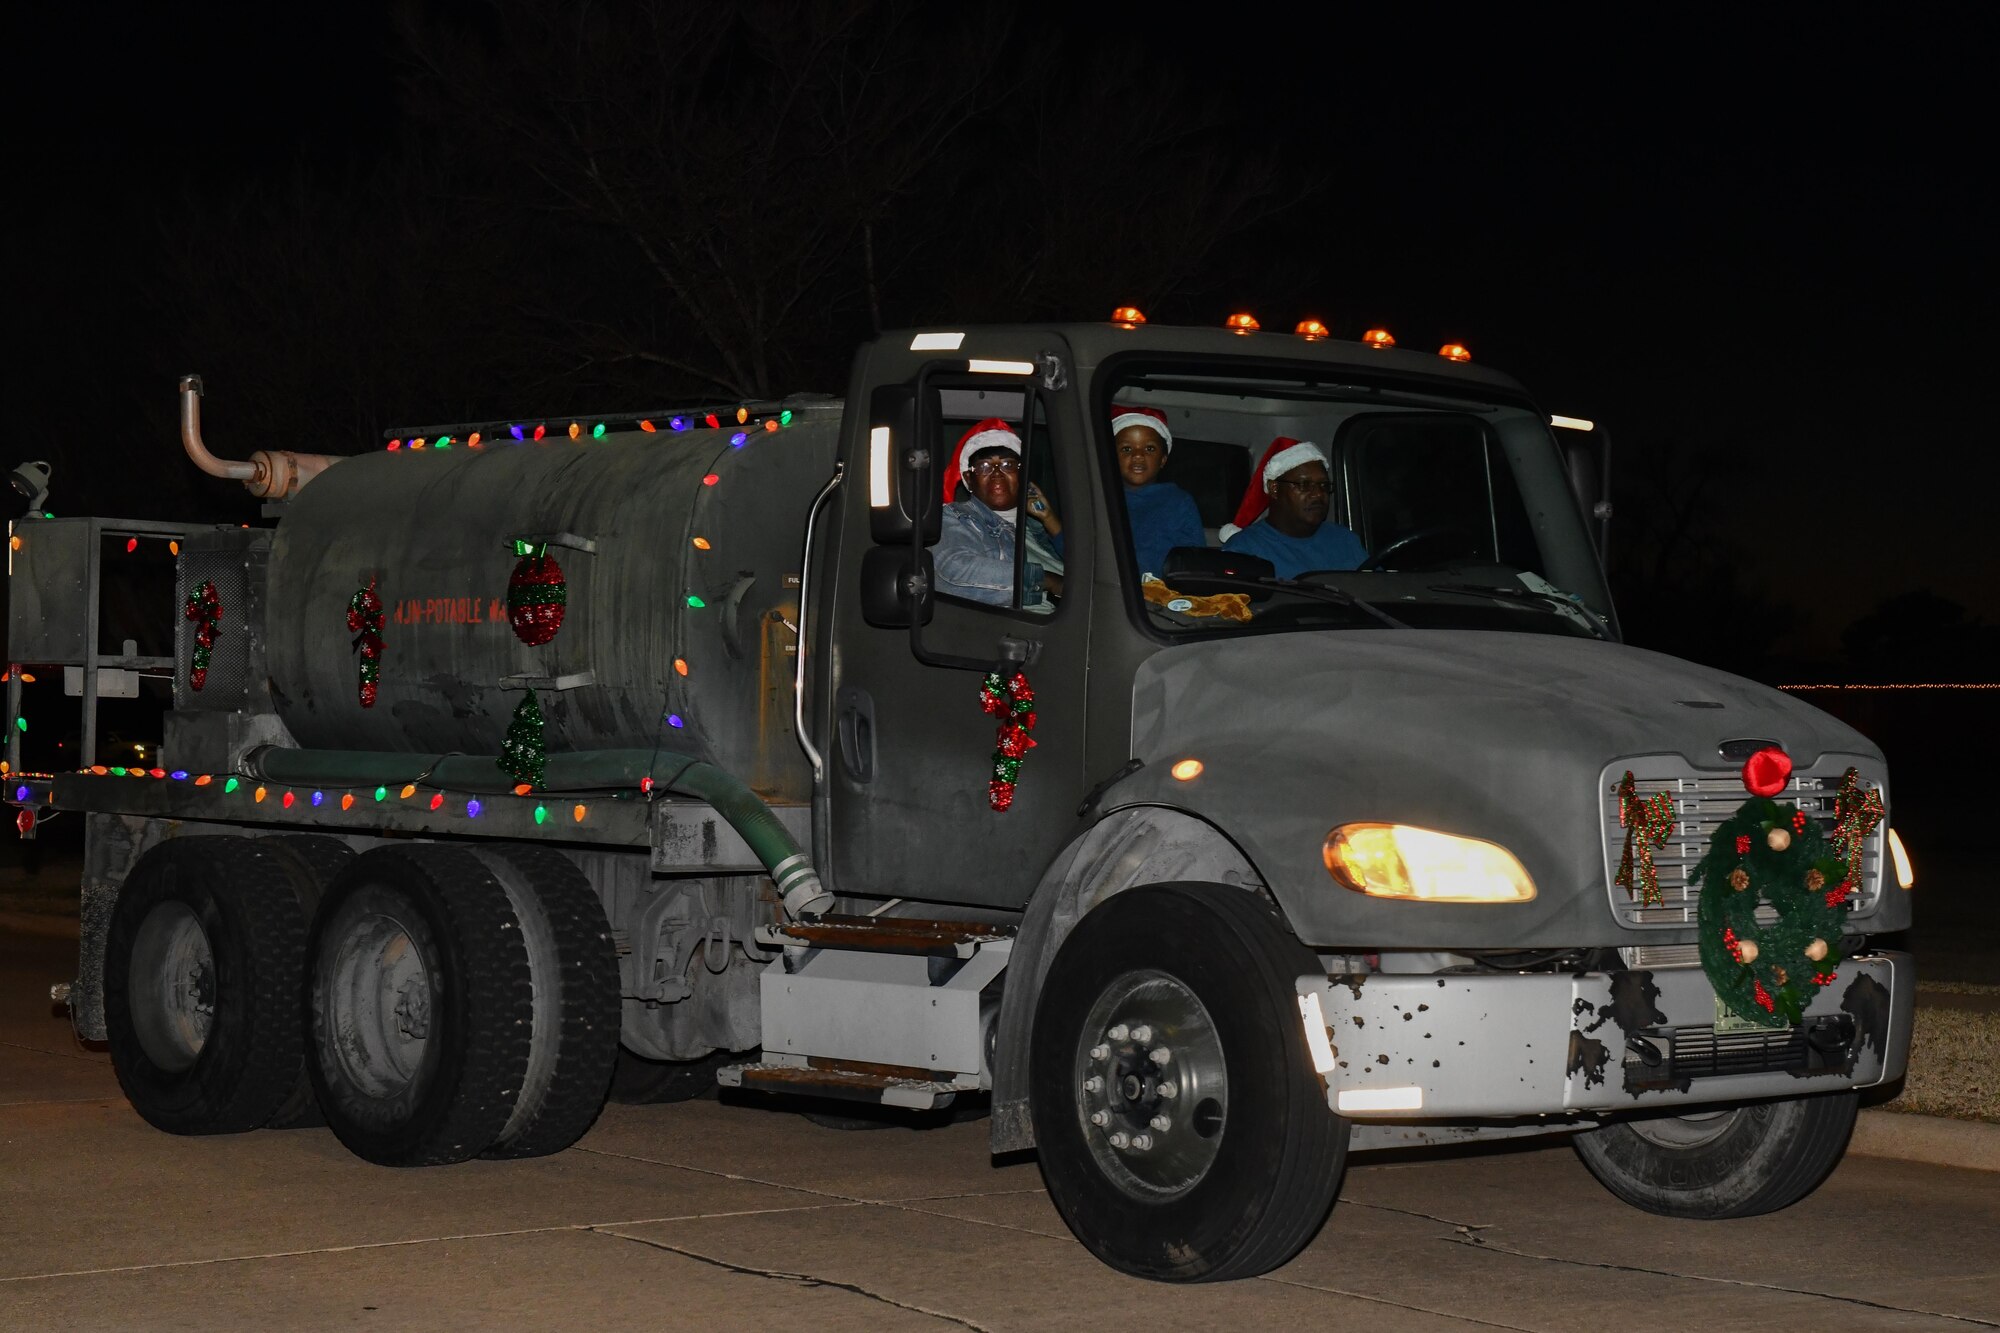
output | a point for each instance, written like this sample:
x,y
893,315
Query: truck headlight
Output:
x,y
1398,861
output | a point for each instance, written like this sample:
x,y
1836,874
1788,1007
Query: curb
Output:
x,y
1969,1145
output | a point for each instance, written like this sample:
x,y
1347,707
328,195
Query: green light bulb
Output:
x,y
541,814
231,785
381,793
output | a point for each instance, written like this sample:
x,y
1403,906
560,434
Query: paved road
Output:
x,y
714,1216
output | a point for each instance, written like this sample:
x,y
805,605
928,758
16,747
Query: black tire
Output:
x,y
1737,1162
1247,1165
639,1081
315,860
201,985
432,1078
577,1009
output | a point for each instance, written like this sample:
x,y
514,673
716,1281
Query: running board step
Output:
x,y
894,934
880,1085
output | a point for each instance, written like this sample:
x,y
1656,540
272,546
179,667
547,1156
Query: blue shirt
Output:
x,y
1330,547
1163,516
974,557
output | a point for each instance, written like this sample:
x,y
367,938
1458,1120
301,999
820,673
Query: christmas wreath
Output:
x,y
1771,853
364,621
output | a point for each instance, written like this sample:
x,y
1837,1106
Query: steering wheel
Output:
x,y
1379,560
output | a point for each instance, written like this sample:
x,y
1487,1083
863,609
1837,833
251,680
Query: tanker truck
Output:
x,y
507,751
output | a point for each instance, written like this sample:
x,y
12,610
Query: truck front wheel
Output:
x,y
1737,1162
1182,1131
419,1006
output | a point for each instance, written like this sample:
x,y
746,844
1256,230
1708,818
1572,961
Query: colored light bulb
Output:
x,y
203,780
677,423
437,800
597,431
381,793
231,785
262,792
785,417
541,431
575,430
578,812
522,788
179,775
714,423
394,445
347,800
541,814
647,426
516,432
472,809
674,721
409,790
711,479
319,798
286,800
696,602
680,666
742,415
737,440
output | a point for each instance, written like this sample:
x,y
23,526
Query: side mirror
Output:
x,y
902,486
1587,461
897,587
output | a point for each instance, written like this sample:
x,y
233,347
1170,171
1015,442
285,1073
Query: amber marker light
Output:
x,y
1454,352
1380,339
1311,330
1242,323
1187,770
1906,874
1127,317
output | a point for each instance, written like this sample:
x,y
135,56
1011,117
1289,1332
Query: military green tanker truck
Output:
x,y
511,750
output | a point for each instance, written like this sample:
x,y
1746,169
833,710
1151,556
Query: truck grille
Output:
x,y
1701,803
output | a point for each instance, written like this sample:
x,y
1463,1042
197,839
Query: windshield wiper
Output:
x,y
1317,592
1551,602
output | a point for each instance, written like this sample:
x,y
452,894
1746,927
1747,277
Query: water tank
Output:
x,y
680,552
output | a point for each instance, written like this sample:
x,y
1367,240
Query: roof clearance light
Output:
x,y
982,367
1454,352
1379,338
1242,323
1187,770
1128,317
1572,423
1311,330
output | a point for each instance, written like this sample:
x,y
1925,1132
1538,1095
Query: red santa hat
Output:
x,y
1284,454
1152,418
992,433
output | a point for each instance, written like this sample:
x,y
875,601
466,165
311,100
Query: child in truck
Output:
x,y
1162,515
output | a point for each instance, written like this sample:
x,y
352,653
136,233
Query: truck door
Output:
x,y
909,755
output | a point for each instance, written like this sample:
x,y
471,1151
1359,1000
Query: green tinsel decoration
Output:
x,y
524,754
1774,853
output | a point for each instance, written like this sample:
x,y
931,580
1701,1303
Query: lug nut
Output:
x,y
1119,1032
1167,1091
1143,1033
1100,1118
1100,1052
1093,1084
1120,1140
1161,1123
1159,1055
1141,1142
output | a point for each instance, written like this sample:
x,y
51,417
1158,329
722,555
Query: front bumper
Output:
x,y
1459,1046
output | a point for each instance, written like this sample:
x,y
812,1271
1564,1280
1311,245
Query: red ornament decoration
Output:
x,y
1013,702
1742,843
1766,772
1648,824
204,608
537,595
364,621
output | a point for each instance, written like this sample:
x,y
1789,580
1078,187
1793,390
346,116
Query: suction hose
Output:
x,y
790,868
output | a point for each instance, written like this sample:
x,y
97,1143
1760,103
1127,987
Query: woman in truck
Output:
x,y
1162,515
975,551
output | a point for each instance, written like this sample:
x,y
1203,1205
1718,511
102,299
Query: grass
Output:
x,y
1954,1064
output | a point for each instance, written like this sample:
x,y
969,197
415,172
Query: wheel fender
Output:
x,y
1126,848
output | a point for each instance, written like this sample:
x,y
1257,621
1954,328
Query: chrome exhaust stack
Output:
x,y
268,474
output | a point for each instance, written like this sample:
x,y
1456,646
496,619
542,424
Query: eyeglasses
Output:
x,y
996,465
1306,487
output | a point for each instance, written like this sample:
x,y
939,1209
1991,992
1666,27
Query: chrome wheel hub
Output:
x,y
1152,1086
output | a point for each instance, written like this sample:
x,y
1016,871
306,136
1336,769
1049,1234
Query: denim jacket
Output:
x,y
975,557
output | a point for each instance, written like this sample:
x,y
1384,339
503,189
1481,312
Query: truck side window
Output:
x,y
1000,545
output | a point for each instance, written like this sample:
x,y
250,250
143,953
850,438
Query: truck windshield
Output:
x,y
1280,501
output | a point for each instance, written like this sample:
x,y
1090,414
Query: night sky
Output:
x,y
1762,245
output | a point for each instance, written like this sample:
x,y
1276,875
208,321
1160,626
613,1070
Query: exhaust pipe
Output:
x,y
268,474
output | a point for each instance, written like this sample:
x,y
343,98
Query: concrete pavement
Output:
x,y
711,1215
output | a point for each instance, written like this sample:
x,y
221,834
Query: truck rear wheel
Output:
x,y
576,1009
201,985
1737,1162
1183,1133
419,1008
315,859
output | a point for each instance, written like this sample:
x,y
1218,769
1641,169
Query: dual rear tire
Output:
x,y
442,1003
